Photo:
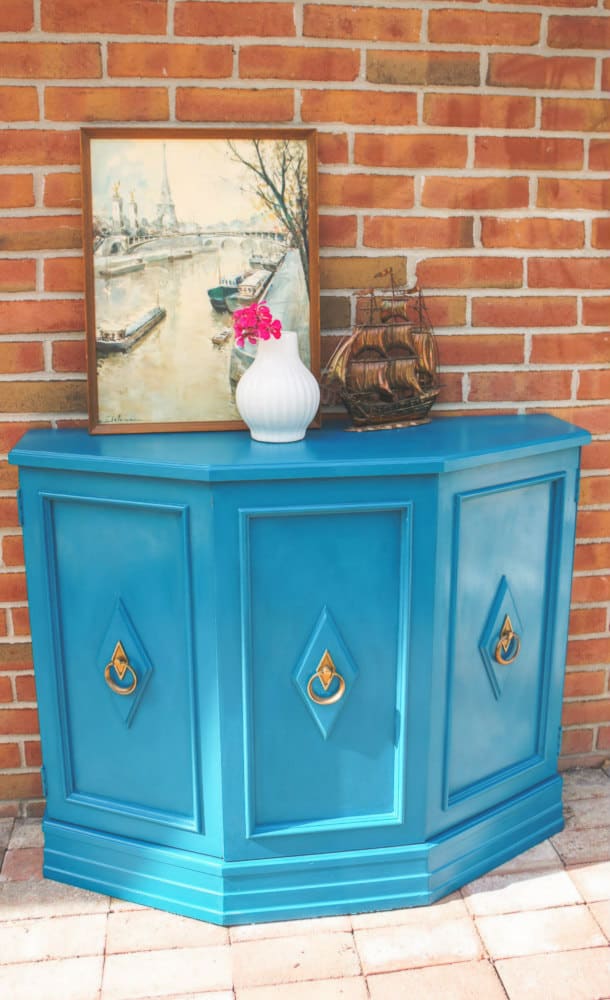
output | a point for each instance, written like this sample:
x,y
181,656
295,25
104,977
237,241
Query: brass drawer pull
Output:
x,y
120,665
509,644
326,673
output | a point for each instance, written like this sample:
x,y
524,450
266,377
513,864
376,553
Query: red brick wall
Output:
x,y
467,143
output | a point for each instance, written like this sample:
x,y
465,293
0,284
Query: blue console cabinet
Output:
x,y
278,681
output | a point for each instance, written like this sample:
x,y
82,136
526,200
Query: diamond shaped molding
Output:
x,y
324,653
121,631
503,606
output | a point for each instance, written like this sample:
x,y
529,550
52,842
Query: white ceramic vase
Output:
x,y
277,396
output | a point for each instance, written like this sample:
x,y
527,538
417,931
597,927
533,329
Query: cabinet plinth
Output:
x,y
279,681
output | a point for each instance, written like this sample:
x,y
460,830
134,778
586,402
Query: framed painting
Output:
x,y
182,227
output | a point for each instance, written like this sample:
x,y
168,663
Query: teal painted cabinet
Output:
x,y
285,680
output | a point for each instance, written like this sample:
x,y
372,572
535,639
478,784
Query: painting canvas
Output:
x,y
183,227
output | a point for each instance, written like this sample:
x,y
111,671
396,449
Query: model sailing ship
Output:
x,y
386,371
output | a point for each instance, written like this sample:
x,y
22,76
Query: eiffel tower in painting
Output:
x,y
166,210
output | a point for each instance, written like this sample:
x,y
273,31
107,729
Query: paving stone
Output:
x,y
592,881
493,894
452,907
290,928
163,973
463,981
149,930
601,912
570,975
576,846
539,931
51,938
584,783
328,989
385,949
26,833
26,900
312,956
65,979
22,865
541,857
587,814
6,827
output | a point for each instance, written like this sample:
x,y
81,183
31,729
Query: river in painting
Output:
x,y
176,373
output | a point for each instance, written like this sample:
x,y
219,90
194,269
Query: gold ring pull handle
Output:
x,y
326,673
509,644
120,665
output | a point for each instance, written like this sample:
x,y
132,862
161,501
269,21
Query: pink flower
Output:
x,y
255,322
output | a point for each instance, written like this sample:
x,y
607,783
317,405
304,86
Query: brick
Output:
x,y
359,107
524,311
475,193
3,632
290,62
39,147
338,230
6,690
123,17
20,786
575,115
593,524
16,191
64,274
483,27
335,314
591,589
470,272
596,311
606,74
44,232
586,711
394,231
33,755
195,104
360,272
18,104
521,69
528,153
596,385
371,24
12,587
603,738
90,104
47,60
9,755
600,234
15,656
69,356
492,386
58,315
552,3
596,555
583,620
477,111
62,190
579,32
569,272
595,419
560,193
576,741
143,59
570,348
44,397
435,151
481,349
265,20
589,651
21,621
16,358
17,15
533,233
11,433
8,513
9,476
366,190
596,456
437,69
446,310
451,388
599,154
17,275
332,147
26,689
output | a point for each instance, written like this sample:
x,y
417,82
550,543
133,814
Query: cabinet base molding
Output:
x,y
285,888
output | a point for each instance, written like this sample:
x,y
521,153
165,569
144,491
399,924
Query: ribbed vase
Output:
x,y
278,396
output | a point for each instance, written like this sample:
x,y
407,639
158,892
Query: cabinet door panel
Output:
x,y
503,578
119,572
313,766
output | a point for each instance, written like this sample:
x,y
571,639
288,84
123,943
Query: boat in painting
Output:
x,y
115,270
249,289
218,294
124,338
386,371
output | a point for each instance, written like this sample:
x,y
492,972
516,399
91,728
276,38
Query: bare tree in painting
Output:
x,y
280,181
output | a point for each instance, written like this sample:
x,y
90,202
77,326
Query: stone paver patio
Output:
x,y
538,928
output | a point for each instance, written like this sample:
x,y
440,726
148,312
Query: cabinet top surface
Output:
x,y
443,445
